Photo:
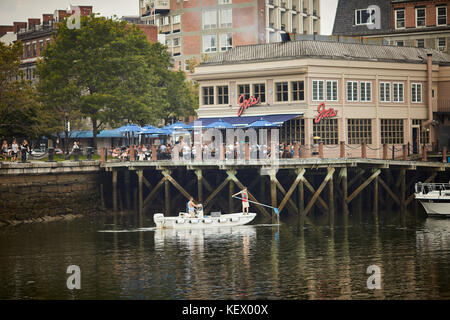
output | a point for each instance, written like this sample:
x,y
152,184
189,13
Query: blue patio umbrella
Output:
x,y
149,126
178,126
220,124
153,130
129,128
261,123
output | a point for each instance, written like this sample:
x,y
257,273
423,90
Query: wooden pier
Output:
x,y
294,186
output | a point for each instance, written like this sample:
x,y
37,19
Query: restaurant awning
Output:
x,y
241,122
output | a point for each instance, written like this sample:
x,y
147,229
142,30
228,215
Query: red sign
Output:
x,y
324,113
244,104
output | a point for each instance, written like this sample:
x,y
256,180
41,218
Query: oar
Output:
x,y
261,204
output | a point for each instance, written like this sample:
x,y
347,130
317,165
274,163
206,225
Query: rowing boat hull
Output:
x,y
229,220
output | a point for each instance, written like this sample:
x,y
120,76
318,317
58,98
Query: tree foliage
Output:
x,y
20,114
109,71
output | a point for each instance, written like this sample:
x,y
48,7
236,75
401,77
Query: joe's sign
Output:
x,y
324,113
245,103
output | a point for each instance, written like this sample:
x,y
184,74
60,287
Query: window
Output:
x,y
420,43
441,44
317,90
226,41
165,21
441,15
364,16
176,42
180,65
259,91
399,43
226,18
225,1
392,131
176,19
210,19
244,89
34,49
424,134
210,43
420,17
208,95
359,131
281,91
416,92
399,19
332,90
365,91
385,92
327,130
398,92
28,50
298,90
352,91
293,131
222,95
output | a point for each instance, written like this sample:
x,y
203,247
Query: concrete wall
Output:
x,y
36,196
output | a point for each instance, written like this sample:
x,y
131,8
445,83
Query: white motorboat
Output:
x,y
184,220
434,197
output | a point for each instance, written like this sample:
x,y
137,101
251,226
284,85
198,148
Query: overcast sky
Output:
x,y
21,10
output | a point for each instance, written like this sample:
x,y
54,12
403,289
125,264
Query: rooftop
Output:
x,y
326,50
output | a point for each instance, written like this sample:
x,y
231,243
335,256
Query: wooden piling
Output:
x,y
342,149
114,190
230,197
167,197
444,154
385,151
154,153
199,175
363,150
424,154
344,191
331,195
140,174
405,152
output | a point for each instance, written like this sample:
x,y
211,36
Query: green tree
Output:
x,y
107,70
182,97
20,113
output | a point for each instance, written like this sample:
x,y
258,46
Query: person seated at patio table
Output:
x,y
4,149
115,152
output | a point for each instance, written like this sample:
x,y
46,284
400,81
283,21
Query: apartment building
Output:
x,y
195,28
422,24
354,93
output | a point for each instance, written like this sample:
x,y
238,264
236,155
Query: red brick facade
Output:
x,y
410,12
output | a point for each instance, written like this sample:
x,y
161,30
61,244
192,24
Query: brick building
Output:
x,y
339,92
422,24
193,28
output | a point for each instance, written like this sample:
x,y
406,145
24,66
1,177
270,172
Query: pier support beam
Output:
x,y
199,175
140,174
114,190
300,173
343,175
319,190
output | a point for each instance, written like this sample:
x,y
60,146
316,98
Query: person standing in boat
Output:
x,y
244,197
191,206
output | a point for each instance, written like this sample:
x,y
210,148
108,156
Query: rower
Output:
x,y
191,206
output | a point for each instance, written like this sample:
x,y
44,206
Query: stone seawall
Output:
x,y
43,191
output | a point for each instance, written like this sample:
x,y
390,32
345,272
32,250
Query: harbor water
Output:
x,y
121,258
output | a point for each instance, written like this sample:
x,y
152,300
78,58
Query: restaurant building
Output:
x,y
332,92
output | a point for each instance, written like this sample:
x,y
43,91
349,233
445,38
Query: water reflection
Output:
x,y
122,257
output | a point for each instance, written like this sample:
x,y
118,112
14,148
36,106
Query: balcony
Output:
x,y
161,6
443,105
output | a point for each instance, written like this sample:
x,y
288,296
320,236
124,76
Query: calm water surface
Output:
x,y
119,259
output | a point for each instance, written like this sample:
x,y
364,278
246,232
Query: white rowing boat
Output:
x,y
434,197
183,220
